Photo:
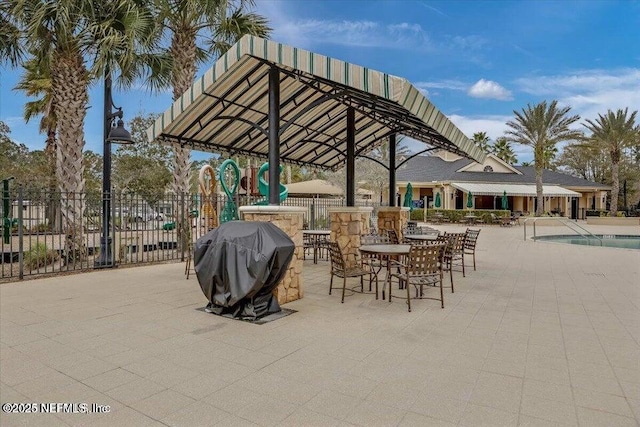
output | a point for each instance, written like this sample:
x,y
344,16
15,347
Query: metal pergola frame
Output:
x,y
264,99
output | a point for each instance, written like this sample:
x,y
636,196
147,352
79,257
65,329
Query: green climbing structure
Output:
x,y
263,186
230,210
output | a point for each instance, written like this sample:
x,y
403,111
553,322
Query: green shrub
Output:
x,y
455,215
39,256
417,215
597,212
41,228
322,222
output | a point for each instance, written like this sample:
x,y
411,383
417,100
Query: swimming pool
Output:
x,y
625,241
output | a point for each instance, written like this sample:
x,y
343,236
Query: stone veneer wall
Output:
x,y
393,217
347,225
289,220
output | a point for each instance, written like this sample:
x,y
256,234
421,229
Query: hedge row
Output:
x,y
455,215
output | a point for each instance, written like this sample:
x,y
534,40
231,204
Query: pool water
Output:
x,y
625,241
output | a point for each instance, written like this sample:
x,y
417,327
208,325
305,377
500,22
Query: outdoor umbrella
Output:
x,y
469,200
505,201
437,202
408,197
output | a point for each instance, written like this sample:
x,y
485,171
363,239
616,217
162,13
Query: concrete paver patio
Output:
x,y
541,334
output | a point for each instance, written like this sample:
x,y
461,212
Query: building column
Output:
x,y
274,136
289,219
393,217
351,156
392,169
347,225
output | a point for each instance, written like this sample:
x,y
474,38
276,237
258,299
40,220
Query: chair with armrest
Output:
x,y
340,268
422,268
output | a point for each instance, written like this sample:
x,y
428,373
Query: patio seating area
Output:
x,y
540,334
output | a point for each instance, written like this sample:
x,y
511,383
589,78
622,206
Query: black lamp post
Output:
x,y
118,135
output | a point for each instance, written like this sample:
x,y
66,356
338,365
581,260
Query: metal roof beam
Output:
x,y
215,104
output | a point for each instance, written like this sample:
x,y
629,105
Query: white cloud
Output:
x,y
14,121
489,89
438,11
493,125
442,84
307,32
588,92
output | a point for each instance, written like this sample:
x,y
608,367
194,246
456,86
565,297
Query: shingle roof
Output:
x,y
433,168
430,168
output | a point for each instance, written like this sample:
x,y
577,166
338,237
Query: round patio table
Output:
x,y
316,237
385,252
421,236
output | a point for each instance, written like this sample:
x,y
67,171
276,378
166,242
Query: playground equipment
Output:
x,y
229,169
263,186
208,209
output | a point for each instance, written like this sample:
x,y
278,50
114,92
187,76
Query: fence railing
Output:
x,y
51,232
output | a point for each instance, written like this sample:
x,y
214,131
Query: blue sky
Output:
x,y
477,61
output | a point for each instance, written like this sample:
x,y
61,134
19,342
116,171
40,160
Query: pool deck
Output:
x,y
542,334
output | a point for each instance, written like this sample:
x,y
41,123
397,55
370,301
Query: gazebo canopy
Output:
x,y
227,109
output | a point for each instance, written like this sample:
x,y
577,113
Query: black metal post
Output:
x,y
6,211
392,169
20,232
274,136
105,259
351,155
624,191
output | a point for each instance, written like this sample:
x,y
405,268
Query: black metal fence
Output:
x,y
46,232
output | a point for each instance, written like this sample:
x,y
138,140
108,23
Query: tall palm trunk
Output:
x,y
539,195
183,50
53,205
69,80
615,185
539,164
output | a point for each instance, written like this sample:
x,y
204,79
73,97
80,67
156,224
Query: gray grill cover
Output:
x,y
239,264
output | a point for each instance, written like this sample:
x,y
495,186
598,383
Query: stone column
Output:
x,y
347,225
393,217
289,219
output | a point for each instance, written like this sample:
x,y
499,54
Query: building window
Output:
x,y
488,169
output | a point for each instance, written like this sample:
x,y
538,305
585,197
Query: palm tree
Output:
x,y
502,149
615,131
36,82
220,23
550,154
10,47
540,127
482,140
78,41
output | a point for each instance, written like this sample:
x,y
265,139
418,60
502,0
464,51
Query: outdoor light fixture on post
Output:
x,y
118,135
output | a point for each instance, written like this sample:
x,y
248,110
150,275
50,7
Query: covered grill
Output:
x,y
238,266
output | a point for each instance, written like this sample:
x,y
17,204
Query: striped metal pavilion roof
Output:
x,y
226,110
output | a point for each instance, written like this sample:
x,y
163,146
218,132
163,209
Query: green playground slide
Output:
x,y
263,186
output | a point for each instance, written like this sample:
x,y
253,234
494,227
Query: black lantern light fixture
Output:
x,y
118,135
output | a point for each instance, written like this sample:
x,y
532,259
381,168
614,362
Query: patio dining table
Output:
x,y
421,236
316,237
386,251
